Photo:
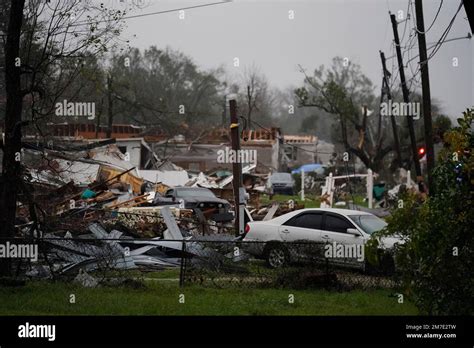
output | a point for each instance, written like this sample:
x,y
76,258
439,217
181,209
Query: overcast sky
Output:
x,y
261,33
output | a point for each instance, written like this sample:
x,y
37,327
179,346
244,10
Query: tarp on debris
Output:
x,y
308,168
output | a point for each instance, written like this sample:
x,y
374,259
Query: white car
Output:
x,y
345,229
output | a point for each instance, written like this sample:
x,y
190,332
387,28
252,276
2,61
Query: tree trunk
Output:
x,y
11,171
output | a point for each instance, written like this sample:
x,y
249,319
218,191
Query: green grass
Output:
x,y
359,200
310,200
171,273
162,298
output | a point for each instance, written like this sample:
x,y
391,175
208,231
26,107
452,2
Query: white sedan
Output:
x,y
342,231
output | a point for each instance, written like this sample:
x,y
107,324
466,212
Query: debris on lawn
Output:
x,y
86,280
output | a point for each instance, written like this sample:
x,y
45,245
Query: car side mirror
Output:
x,y
353,231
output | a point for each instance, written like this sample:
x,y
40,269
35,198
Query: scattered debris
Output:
x,y
271,212
86,280
93,210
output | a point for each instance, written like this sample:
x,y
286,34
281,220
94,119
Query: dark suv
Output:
x,y
281,183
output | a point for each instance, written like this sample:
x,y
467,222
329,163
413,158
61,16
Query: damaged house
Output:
x,y
202,154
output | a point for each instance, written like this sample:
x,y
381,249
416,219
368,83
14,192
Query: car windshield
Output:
x,y
369,223
194,193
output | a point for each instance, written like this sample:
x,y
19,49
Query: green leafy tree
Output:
x,y
436,261
441,124
164,88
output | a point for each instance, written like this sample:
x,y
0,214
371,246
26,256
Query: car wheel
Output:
x,y
276,256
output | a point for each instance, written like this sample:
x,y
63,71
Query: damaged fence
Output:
x,y
103,256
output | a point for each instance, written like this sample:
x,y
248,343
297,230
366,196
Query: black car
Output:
x,y
197,198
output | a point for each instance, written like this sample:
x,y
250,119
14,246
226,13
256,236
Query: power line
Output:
x,y
415,80
434,20
406,21
442,39
468,36
81,23
154,13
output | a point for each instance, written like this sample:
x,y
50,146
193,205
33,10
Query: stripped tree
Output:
x,y
345,92
47,45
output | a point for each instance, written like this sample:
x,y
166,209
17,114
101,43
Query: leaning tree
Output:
x,y
344,92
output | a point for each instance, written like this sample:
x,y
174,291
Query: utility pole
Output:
x,y
401,69
302,185
224,112
110,105
469,7
386,87
425,87
99,114
239,203
249,114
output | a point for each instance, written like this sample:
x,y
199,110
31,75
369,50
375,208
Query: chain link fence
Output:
x,y
201,261
287,264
